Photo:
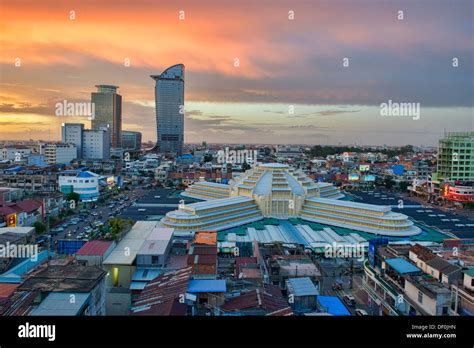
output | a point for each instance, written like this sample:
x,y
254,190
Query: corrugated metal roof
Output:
x,y
126,251
95,247
7,289
62,303
160,233
302,287
153,247
207,238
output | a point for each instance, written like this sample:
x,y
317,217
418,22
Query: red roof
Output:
x,y
29,205
269,299
242,261
171,307
159,295
7,210
422,252
94,247
202,260
203,250
7,289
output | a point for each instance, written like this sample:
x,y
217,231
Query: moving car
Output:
x,y
349,300
361,312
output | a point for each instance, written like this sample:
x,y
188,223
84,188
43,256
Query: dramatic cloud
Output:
x,y
242,53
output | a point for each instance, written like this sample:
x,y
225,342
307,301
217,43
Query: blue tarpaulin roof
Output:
x,y
333,305
206,285
15,274
402,266
14,169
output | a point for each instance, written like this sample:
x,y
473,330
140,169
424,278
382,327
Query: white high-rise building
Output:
x,y
72,133
169,105
91,143
96,144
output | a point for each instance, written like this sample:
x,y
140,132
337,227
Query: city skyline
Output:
x,y
289,86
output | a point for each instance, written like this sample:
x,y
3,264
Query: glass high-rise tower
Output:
x,y
108,112
169,106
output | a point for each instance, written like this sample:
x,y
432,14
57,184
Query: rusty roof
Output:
x,y
205,237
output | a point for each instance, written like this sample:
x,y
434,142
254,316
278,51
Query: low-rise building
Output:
x,y
463,294
443,271
94,252
302,294
429,296
71,279
86,184
266,300
60,153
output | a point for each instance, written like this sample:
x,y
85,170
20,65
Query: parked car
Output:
x,y
349,300
361,312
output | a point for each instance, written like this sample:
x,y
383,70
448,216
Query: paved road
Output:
x,y
102,212
336,270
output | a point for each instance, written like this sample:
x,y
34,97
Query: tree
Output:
x,y
388,182
39,227
73,196
245,166
404,185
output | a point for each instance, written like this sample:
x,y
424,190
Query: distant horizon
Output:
x,y
239,144
288,73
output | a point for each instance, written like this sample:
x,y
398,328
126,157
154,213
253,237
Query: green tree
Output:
x,y
404,185
388,182
40,227
245,166
73,196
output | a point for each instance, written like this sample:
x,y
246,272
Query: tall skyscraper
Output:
x,y
108,112
456,156
169,106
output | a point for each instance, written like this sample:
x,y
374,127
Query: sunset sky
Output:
x,y
284,64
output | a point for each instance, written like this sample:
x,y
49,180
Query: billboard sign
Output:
x,y
353,177
11,220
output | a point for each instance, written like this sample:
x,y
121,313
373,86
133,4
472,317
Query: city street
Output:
x,y
99,214
336,271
